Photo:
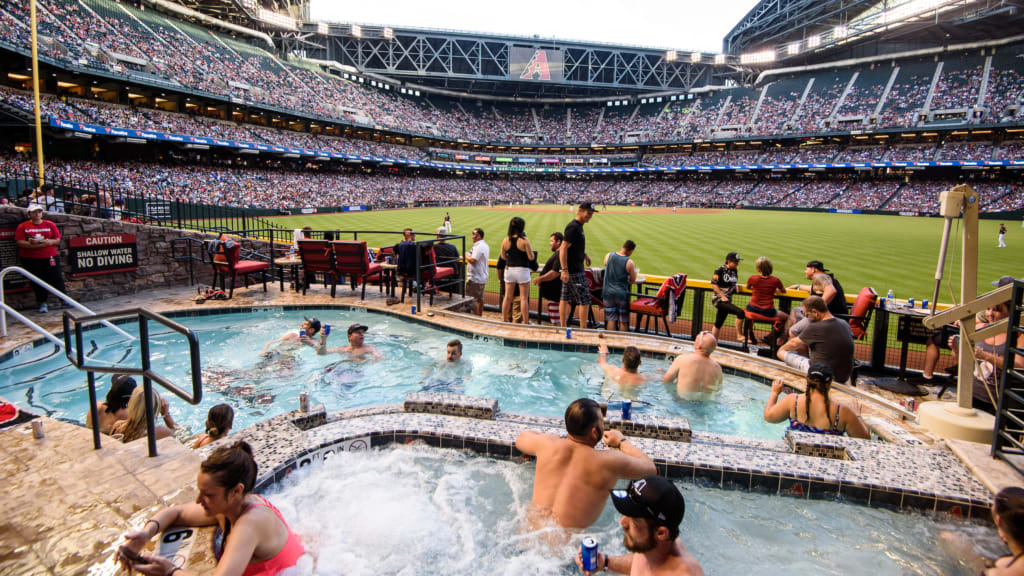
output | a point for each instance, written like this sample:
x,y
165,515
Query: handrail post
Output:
x,y
94,413
419,276
147,385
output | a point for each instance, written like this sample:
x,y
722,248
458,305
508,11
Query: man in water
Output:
x,y
310,327
626,375
696,372
356,345
572,479
449,374
652,509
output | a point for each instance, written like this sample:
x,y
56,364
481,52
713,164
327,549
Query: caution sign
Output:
x,y
91,255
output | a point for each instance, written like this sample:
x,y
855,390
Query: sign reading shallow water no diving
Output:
x,y
91,255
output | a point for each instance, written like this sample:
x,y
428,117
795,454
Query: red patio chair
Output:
x,y
317,258
226,264
351,259
654,307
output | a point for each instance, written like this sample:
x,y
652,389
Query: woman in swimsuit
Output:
x,y
252,538
812,411
1008,515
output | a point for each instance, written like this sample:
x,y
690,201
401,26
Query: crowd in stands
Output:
x,y
921,153
862,154
816,194
1005,87
863,195
906,98
818,106
957,88
774,113
965,151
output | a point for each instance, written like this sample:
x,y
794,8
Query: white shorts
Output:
x,y
517,275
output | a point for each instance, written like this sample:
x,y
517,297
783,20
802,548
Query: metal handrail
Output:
x,y
5,309
78,358
1008,433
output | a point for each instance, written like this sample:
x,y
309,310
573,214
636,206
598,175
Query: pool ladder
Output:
x,y
75,353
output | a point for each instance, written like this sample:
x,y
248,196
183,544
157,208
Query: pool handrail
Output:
x,y
6,309
143,315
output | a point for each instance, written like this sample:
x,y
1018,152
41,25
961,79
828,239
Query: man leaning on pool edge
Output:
x,y
572,478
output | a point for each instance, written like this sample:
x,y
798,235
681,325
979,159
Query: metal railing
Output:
x,y
1008,436
5,309
76,356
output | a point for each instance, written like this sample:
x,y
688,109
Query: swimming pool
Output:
x,y
417,510
528,381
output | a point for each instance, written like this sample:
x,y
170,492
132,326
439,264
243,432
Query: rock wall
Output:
x,y
157,267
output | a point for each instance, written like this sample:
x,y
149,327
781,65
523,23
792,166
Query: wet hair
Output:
x,y
816,303
120,393
631,358
516,226
1009,505
764,266
581,416
457,343
230,466
629,245
558,236
819,377
219,421
479,231
135,426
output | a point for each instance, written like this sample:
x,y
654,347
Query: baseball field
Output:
x,y
884,252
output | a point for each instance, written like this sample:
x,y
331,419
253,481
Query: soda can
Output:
x,y
303,402
413,308
302,333
588,552
388,259
327,329
568,332
37,429
924,304
911,405
910,302
627,409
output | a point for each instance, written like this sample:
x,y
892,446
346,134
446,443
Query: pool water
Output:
x,y
540,382
418,510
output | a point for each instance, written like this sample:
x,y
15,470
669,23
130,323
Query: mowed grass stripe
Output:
x,y
862,250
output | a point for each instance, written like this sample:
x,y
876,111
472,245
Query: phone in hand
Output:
x,y
131,555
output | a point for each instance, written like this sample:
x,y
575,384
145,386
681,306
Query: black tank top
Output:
x,y
516,258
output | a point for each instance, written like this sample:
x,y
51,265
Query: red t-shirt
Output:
x,y
764,289
28,230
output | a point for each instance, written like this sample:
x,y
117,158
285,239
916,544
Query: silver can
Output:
x,y
303,402
37,429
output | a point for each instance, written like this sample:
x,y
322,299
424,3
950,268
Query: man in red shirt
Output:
x,y
38,240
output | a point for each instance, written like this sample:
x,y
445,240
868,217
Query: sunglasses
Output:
x,y
635,497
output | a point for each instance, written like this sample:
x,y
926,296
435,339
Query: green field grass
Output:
x,y
884,252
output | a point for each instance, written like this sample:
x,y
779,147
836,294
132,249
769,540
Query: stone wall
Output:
x,y
157,267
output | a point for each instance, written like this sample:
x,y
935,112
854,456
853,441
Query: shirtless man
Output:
x,y
696,372
356,346
572,479
311,326
627,375
652,509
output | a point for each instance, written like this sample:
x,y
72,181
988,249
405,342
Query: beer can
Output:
x,y
924,304
910,302
588,552
327,329
911,405
303,402
627,409
413,308
37,429
568,332
302,333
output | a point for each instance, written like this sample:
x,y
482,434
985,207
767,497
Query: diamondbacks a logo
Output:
x,y
537,69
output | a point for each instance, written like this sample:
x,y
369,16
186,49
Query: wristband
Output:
x,y
605,569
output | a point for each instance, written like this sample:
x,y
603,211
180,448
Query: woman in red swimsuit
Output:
x,y
252,538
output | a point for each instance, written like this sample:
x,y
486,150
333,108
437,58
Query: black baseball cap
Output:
x,y
589,206
732,257
820,373
653,498
121,388
357,327
1003,281
817,264
314,324
46,187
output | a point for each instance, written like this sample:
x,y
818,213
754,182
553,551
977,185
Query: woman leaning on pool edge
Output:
x,y
1008,515
252,538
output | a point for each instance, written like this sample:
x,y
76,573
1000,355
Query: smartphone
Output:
x,y
130,554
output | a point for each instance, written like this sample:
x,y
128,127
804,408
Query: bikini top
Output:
x,y
799,426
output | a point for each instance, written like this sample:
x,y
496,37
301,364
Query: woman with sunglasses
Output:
x,y
252,538
812,411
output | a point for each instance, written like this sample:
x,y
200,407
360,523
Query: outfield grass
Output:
x,y
884,252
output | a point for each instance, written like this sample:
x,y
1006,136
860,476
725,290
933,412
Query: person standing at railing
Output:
x,y
37,241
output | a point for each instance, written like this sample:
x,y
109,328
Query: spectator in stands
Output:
x,y
37,241
723,284
826,340
549,281
763,287
619,276
479,260
521,259
812,411
572,255
115,407
446,252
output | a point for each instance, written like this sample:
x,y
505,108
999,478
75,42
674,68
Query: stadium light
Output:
x,y
719,58
322,28
357,31
758,57
793,48
276,19
839,32
388,33
814,41
670,56
696,57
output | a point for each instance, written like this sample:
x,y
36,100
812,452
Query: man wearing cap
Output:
x,y
723,284
356,345
311,326
833,291
652,509
37,241
572,256
572,479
